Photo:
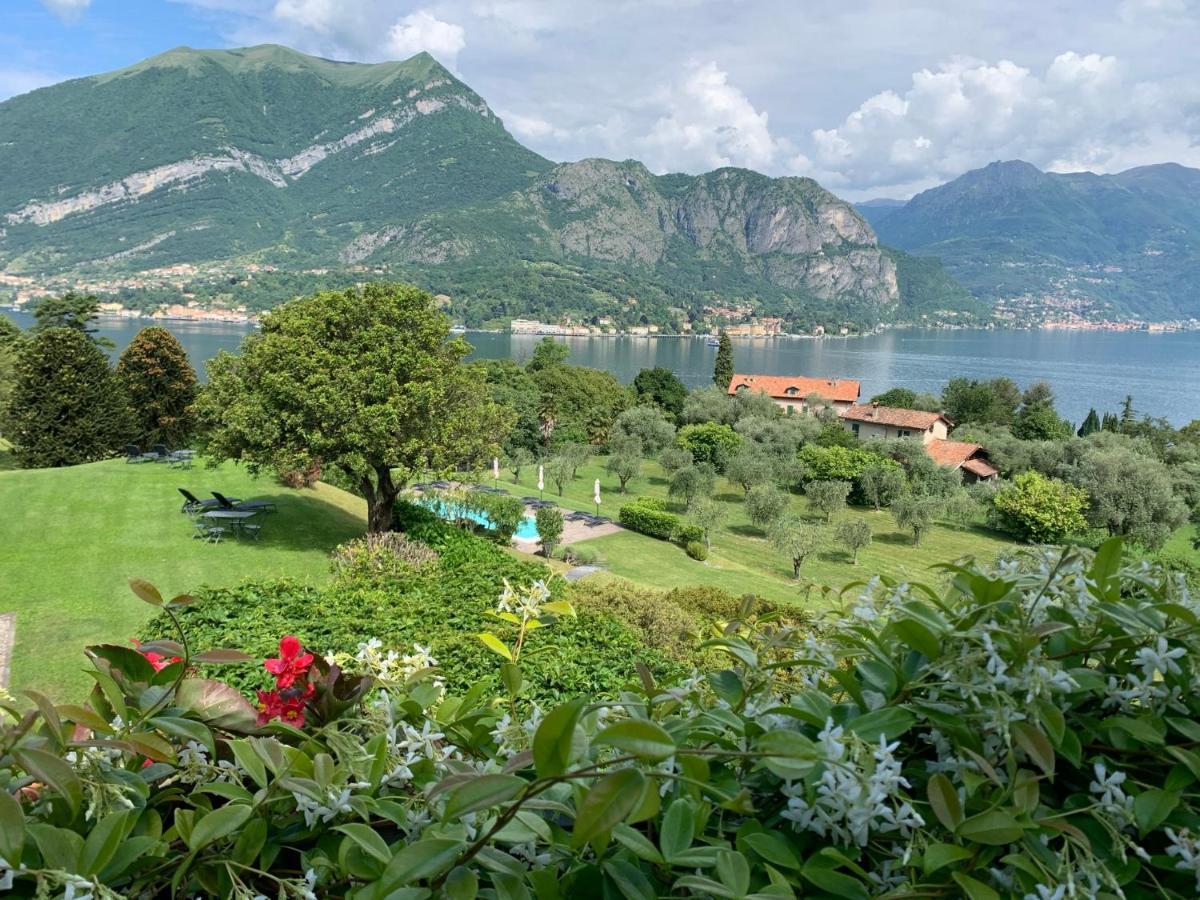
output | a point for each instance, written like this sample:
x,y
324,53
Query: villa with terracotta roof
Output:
x,y
970,458
792,392
872,421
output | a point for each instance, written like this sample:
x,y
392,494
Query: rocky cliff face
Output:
x,y
788,232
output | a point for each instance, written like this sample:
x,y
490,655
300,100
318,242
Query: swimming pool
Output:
x,y
526,531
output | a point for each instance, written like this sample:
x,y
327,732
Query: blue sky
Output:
x,y
871,97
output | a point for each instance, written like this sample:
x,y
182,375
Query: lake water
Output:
x,y
1086,368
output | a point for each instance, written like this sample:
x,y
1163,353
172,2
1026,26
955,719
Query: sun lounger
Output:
x,y
224,502
134,454
192,503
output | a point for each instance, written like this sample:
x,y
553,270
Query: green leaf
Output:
x,y
217,824
51,770
818,871
918,637
145,591
85,716
368,839
1036,745
637,843
678,829
733,871
250,842
12,828
424,859
888,723
773,848
60,848
482,792
510,674
496,645
938,856
1151,808
609,801
630,880
944,800
973,888
643,739
102,843
216,703
994,828
461,884
789,754
554,737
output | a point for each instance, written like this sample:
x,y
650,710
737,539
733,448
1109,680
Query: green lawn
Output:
x,y
741,559
69,539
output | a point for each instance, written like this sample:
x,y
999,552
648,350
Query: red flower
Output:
x,y
157,660
270,706
291,663
293,714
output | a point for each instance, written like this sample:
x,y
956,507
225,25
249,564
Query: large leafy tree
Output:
x,y
992,402
67,406
662,387
161,386
1040,509
367,380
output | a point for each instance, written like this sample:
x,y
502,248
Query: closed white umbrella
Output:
x,y
596,497
541,479
495,468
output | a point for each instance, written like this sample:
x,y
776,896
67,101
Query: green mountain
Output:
x,y
266,156
1127,243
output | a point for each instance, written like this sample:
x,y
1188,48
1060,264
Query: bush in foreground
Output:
x,y
1029,731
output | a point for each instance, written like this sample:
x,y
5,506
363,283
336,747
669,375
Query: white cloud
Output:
x,y
533,127
424,31
67,10
705,123
1081,112
21,81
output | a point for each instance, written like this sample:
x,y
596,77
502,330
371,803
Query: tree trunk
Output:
x,y
796,567
381,497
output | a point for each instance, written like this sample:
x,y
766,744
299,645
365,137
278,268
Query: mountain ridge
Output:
x,y
1126,243
265,155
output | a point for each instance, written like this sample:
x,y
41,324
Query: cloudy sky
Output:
x,y
871,97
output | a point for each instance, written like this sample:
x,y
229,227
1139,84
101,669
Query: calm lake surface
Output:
x,y
1086,368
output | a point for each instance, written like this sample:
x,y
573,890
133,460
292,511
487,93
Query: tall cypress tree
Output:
x,y
67,406
1090,425
723,368
161,386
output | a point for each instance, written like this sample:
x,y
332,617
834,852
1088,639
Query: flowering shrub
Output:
x,y
385,555
1028,732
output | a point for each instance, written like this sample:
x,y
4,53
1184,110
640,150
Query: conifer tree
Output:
x,y
161,386
67,406
1090,425
723,368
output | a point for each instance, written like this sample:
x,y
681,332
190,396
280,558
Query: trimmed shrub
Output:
x,y
649,520
710,442
696,550
688,533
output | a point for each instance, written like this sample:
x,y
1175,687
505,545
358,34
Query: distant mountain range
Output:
x,y
1126,243
267,156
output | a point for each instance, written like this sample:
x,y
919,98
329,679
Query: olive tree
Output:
x,y
707,515
625,459
750,467
367,380
673,459
854,534
561,470
692,482
764,504
517,460
795,538
648,424
915,513
827,497
549,521
880,484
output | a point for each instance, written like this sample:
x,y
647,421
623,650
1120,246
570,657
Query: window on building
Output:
x,y
904,432
854,426
790,409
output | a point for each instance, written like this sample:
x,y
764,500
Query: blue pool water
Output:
x,y
527,530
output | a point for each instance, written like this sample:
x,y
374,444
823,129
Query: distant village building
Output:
x,y
871,421
799,394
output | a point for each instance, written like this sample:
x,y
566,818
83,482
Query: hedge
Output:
x,y
647,516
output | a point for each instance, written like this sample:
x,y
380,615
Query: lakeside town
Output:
x,y
738,320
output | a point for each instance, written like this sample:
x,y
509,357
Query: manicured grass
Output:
x,y
741,559
6,458
69,539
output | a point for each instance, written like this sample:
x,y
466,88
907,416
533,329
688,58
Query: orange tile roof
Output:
x,y
981,468
892,415
951,453
780,387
